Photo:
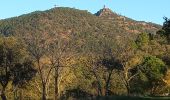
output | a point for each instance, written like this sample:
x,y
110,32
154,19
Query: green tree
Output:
x,y
14,64
165,31
152,71
142,41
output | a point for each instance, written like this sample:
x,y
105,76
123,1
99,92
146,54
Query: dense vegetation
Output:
x,y
65,53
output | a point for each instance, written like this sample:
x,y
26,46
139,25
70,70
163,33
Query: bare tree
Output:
x,y
37,45
94,68
60,51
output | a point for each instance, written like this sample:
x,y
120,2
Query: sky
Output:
x,y
141,10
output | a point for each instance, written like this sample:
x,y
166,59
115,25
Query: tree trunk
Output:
x,y
3,96
107,89
99,84
56,84
21,95
99,89
15,94
128,88
44,92
107,84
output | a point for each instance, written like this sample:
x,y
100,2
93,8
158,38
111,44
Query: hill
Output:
x,y
70,20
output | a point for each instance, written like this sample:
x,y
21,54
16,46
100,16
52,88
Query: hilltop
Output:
x,y
128,24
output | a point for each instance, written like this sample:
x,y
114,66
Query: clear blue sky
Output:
x,y
142,10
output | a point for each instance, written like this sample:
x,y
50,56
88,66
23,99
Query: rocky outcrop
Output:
x,y
106,12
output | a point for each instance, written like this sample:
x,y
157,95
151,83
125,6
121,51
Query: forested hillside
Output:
x,y
69,20
66,53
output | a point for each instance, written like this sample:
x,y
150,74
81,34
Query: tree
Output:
x,y
110,63
142,41
93,68
37,46
60,52
22,73
126,54
165,31
101,62
153,69
56,50
14,64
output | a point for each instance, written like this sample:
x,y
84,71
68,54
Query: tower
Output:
x,y
104,6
